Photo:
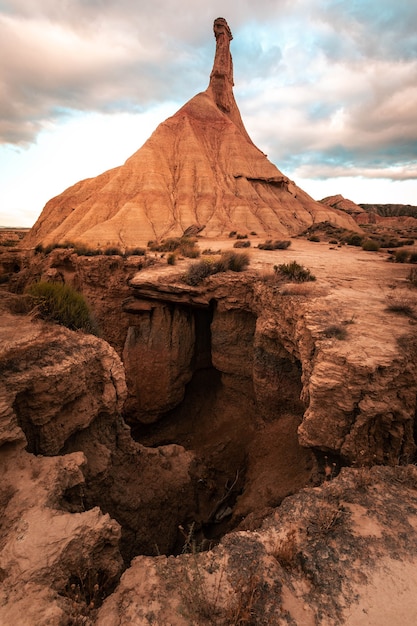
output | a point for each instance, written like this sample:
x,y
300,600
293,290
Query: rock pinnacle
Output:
x,y
221,77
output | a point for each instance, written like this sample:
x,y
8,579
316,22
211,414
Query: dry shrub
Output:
x,y
298,289
405,475
294,272
412,276
86,591
233,261
197,601
268,277
402,302
186,246
336,331
274,245
370,245
326,518
242,611
364,478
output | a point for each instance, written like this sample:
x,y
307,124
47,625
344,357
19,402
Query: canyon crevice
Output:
x,y
236,400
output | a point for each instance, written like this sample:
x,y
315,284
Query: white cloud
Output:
x,y
326,89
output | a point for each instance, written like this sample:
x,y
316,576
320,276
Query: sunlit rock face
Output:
x,y
199,168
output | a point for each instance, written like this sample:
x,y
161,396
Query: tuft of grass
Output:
x,y
354,239
295,272
401,256
274,245
60,303
402,303
172,258
336,331
412,276
242,244
233,261
136,252
197,272
370,245
186,246
113,251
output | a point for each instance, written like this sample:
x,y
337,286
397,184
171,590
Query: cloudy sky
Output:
x,y
327,88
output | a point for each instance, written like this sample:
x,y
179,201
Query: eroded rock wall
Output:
x,y
68,463
319,559
356,398
158,357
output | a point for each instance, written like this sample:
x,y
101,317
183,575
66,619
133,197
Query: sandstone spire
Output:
x,y
221,77
199,168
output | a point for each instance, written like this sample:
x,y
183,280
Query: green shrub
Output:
x,y
274,245
136,252
62,304
354,239
232,233
197,272
267,245
281,245
401,256
389,243
295,272
370,245
242,244
233,261
52,246
239,236
190,250
82,250
314,238
113,251
172,258
413,257
182,245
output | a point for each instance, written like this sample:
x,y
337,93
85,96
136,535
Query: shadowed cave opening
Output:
x,y
238,418
247,455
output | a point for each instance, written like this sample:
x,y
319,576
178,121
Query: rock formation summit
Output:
x,y
199,168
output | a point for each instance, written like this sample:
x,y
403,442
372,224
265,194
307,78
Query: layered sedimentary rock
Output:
x,y
199,168
358,396
68,463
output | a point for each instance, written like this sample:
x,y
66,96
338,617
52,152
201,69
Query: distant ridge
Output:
x,y
391,210
199,169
